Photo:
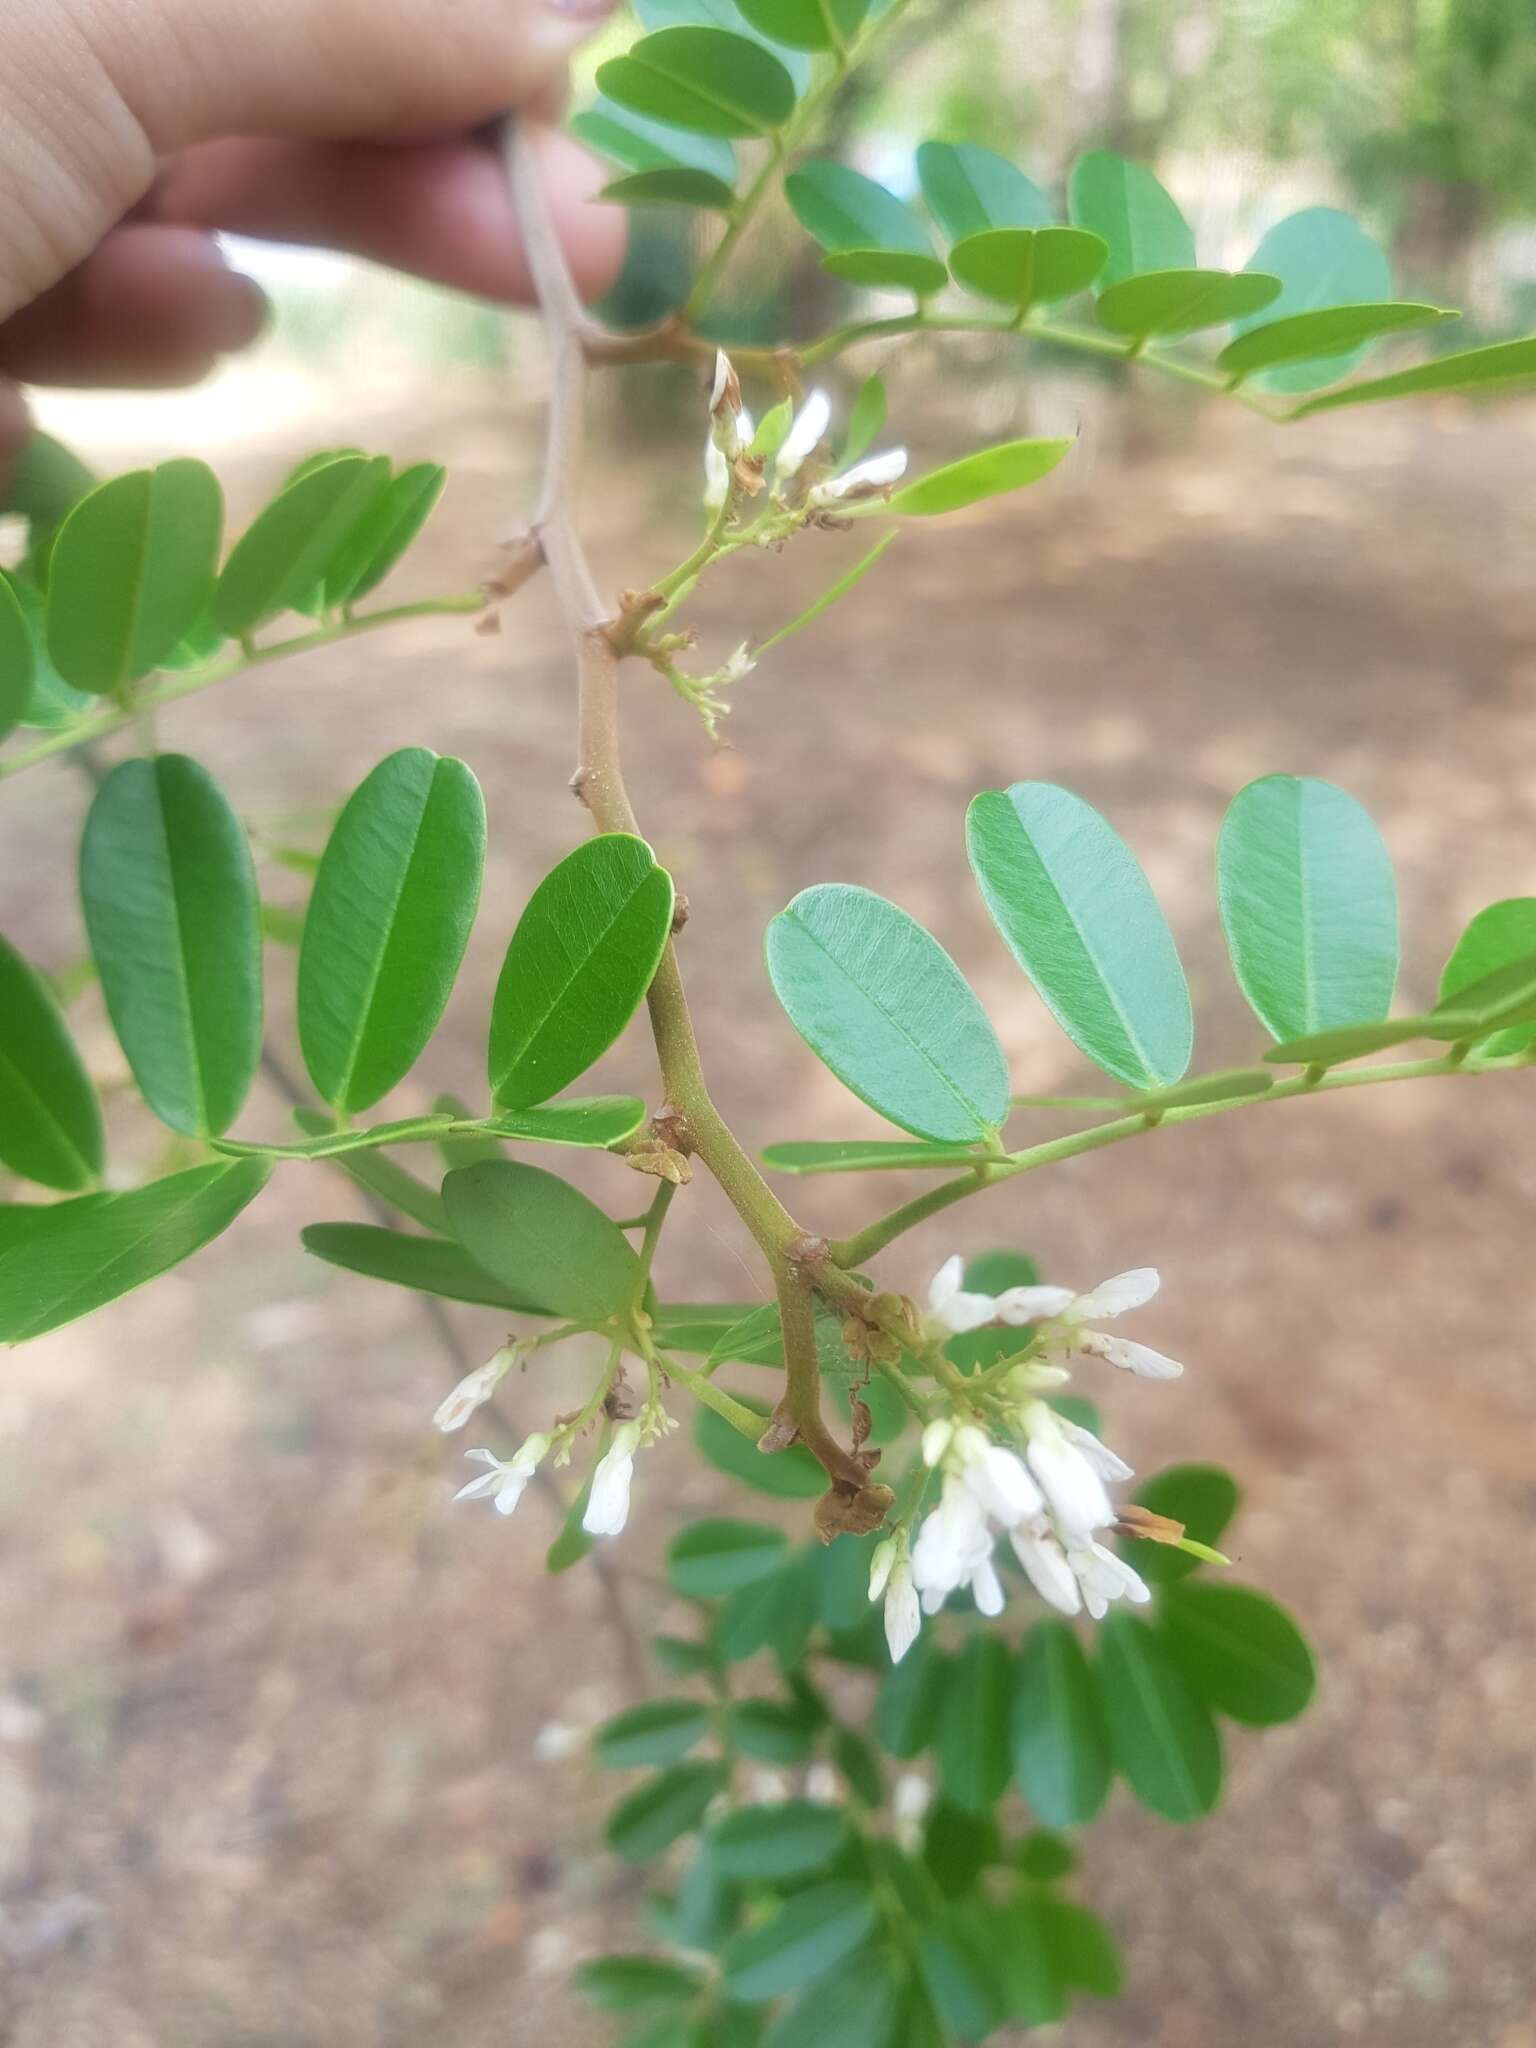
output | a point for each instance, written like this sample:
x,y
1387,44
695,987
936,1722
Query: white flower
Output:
x,y
474,1390
987,1588
867,479
508,1478
1068,1477
1065,1328
1103,1460
951,1543
608,1502
1039,1551
902,1617
1104,1577
809,425
951,1311
997,1477
717,475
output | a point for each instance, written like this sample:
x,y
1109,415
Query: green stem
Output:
x,y
175,687
864,1244
655,1217
741,1418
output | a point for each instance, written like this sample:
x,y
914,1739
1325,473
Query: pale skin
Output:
x,y
130,130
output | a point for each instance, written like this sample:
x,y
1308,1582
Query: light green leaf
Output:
x,y
383,1177
282,559
1308,904
695,1327
988,474
1183,301
168,887
1498,936
1203,1497
1354,1041
870,235
1241,1653
766,1844
807,24
808,1936
133,566
1024,267
1061,1755
579,964
18,660
860,2007
1125,204
427,1264
594,1121
771,1614
1505,996
1232,1085
636,1984
680,186
541,1238
1160,1731
830,597
1079,916
880,1001
669,1805
387,528
973,1726
867,1155
53,704
970,189
658,14
1502,367
50,1121
59,1263
640,145
712,1558
791,1474
1323,259
656,1732
865,422
1081,1948
705,79
1325,335
388,922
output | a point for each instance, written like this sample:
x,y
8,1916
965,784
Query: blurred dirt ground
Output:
x,y
290,1751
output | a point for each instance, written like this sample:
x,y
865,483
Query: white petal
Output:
x,y
608,1503
1000,1481
810,424
987,1589
1114,1572
903,1620
717,476
486,1483
881,1564
874,472
937,1438
1099,1455
511,1491
723,376
1018,1305
1114,1296
933,1599
946,1282
481,1456
964,1312
950,1541
1074,1490
820,1784
1137,1358
1045,1566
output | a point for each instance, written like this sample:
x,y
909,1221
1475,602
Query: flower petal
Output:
x,y
810,424
1114,1296
1019,1305
1045,1566
1075,1491
1099,1455
903,1619
1137,1358
1001,1482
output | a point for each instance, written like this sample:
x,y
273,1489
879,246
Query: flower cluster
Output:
x,y
729,453
1045,1488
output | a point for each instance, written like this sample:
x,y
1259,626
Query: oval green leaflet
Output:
x,y
807,24
168,888
60,1263
389,524
1060,1750
1330,332
1496,937
50,1120
973,1745
1309,906
541,1238
656,1732
666,1806
644,148
1240,1652
659,14
808,1935
131,571
1160,1730
578,966
1182,301
882,1004
1077,913
706,79
989,473
970,189
52,703
1503,366
18,660
430,1265
1133,212
712,1558
1024,267
388,921
1323,259
871,237
631,1985
282,559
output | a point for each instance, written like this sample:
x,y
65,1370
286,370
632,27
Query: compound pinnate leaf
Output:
x,y
668,1806
808,1936
1061,1755
1183,301
853,217
283,557
1496,938
578,966
388,526
973,1727
428,1264
1241,1653
990,473
807,24
970,190
1160,1730
1323,259
388,922
1077,913
59,1263
18,659
1203,1497
1024,267
1502,366
713,1558
1326,334
789,1838
1137,217
656,1732
880,1001
50,1120
541,1238
706,79
1309,906
131,570
169,892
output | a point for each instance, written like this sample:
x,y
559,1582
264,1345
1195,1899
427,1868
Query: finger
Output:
x,y
15,428
151,306
441,209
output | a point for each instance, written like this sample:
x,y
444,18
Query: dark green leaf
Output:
x,y
695,1327
1503,366
1203,1497
860,2007
1060,1750
852,217
168,888
970,189
541,1238
385,1178
631,1984
52,704
592,1121
681,186
1496,937
1125,204
388,526
1325,334
1016,1935
1081,1949
642,145
772,1731
1183,301
669,1805
18,660
282,559
961,1978
911,1700
1024,267
792,1474
578,966
50,1121
1160,1731
807,1936
1309,906
573,1543
656,1732
683,1657
658,14
1503,996
61,1262
840,1574
1241,1653
1323,260
428,1264
973,1729
709,1559
988,474
705,79
1079,916
958,1846
881,1002
1044,1857
865,1155
133,566
807,24
766,1844
775,1613
859,1764
388,922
